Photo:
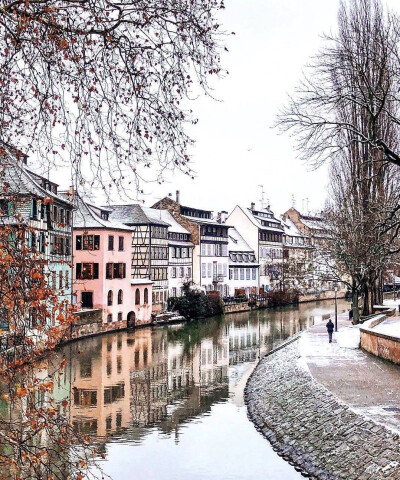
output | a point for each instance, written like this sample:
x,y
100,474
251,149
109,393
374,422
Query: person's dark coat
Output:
x,y
330,326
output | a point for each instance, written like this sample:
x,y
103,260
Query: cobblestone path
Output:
x,y
312,429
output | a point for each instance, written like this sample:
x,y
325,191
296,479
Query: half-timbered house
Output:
x,y
149,248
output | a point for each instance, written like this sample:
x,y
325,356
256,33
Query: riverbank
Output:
x,y
329,411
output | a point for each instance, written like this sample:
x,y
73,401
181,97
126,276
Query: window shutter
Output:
x,y
95,270
79,242
109,270
78,270
124,270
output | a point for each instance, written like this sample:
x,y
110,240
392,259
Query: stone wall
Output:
x,y
239,307
320,296
311,429
381,345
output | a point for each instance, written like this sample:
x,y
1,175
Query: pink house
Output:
x,y
102,270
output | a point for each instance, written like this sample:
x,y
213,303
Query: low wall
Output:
x,y
76,331
381,345
238,307
320,296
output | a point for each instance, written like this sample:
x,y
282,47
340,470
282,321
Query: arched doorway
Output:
x,y
131,320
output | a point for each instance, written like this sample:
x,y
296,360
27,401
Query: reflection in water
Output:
x,y
156,384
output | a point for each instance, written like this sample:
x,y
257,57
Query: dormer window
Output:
x,y
104,215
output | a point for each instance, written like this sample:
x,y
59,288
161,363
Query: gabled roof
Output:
x,y
86,216
20,180
290,228
134,214
236,242
167,217
256,221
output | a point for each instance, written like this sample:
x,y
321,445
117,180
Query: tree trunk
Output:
x,y
354,305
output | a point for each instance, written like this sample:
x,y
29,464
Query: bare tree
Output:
x,y
349,95
104,85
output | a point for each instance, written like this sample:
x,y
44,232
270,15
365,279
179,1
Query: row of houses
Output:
x,y
127,260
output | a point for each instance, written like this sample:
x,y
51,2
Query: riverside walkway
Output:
x,y
331,411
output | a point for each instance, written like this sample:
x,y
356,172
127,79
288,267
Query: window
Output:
x,y
87,299
174,291
203,270
173,272
60,279
120,243
110,298
181,272
68,217
236,274
137,297
209,250
66,279
5,208
225,269
242,274
87,242
120,316
189,272
146,296
111,242
120,297
209,270
53,280
34,208
87,271
109,320
254,270
247,273
115,270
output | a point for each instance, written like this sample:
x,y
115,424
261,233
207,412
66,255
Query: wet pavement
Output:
x,y
367,384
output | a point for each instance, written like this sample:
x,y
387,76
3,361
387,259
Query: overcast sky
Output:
x,y
236,147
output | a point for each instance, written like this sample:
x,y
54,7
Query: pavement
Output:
x,y
368,385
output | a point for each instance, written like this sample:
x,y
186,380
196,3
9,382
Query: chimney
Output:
x,y
177,196
253,206
224,215
71,193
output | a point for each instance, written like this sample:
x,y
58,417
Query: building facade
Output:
x,y
264,234
180,256
103,269
32,203
243,266
149,248
210,239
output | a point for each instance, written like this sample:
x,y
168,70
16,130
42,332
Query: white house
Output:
x,y
243,266
263,233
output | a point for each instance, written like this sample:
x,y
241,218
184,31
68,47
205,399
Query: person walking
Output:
x,y
330,326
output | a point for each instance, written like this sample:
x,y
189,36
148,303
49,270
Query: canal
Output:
x,y
167,402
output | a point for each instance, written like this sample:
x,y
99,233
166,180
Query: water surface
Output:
x,y
167,402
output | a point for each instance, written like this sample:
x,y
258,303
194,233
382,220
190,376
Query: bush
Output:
x,y
192,304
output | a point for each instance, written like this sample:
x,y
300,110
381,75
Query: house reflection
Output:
x,y
125,382
139,379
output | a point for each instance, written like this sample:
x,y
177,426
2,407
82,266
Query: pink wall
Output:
x,y
101,286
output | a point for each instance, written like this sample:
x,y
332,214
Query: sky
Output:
x,y
237,149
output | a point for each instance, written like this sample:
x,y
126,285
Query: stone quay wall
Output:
x,y
312,429
381,345
238,307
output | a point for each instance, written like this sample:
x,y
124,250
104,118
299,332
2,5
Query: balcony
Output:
x,y
218,279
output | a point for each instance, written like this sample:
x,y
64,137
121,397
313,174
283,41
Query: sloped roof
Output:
x,y
167,217
256,220
134,214
290,228
236,242
21,180
85,216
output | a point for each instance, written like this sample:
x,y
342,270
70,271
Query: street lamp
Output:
x,y
336,287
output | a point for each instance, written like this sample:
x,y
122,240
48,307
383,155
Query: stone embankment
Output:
x,y
312,429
